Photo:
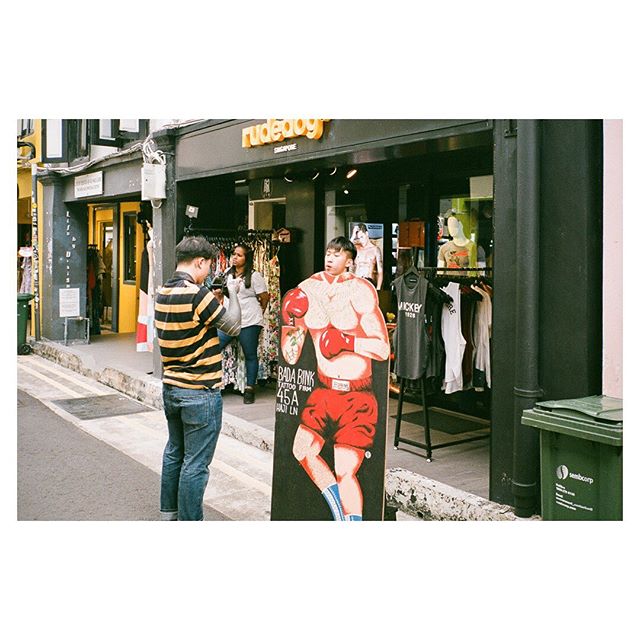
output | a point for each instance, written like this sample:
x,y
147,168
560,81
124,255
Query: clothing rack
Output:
x,y
456,269
427,427
427,446
225,239
229,233
446,273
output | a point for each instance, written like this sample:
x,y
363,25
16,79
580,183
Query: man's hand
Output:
x,y
218,294
294,305
333,342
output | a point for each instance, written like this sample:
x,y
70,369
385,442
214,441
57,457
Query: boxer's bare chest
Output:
x,y
330,303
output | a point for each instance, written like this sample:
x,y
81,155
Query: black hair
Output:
x,y
192,247
342,244
248,264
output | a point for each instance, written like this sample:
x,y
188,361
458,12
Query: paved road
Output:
x,y
64,412
67,474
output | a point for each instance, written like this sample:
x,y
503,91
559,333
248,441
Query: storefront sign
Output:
x,y
278,130
69,303
88,185
285,147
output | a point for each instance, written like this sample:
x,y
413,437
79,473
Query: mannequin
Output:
x,y
459,252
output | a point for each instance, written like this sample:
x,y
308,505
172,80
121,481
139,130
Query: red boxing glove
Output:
x,y
294,305
333,342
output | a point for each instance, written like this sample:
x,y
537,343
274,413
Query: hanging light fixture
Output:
x,y
317,173
333,173
351,173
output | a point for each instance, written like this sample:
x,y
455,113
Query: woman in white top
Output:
x,y
254,298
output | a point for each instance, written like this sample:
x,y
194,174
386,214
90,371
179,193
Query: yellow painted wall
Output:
x,y
24,207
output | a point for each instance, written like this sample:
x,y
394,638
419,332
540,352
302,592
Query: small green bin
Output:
x,y
580,457
23,316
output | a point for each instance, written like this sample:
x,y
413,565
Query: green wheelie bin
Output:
x,y
580,457
23,316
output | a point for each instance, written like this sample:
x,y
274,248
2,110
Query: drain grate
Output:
x,y
93,407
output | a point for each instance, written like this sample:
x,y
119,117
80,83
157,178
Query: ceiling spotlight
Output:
x,y
317,173
334,171
351,173
346,192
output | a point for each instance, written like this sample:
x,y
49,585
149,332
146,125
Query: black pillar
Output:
x,y
164,229
526,390
64,260
503,343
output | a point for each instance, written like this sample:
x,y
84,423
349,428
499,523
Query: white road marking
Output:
x,y
79,383
50,382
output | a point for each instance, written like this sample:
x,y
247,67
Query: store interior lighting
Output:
x,y
333,173
346,191
351,173
317,173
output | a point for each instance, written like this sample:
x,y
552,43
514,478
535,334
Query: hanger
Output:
x,y
411,275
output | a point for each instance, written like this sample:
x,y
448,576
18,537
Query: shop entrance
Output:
x,y
431,216
113,267
103,229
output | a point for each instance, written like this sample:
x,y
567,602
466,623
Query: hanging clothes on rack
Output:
x,y
268,348
435,360
482,338
410,339
265,261
454,342
463,328
468,300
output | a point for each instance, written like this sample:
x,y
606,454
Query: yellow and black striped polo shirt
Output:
x,y
188,339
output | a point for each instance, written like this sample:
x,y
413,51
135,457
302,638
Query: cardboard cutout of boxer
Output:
x,y
331,410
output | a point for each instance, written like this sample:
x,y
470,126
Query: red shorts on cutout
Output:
x,y
348,417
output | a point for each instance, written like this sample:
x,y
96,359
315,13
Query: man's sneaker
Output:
x,y
249,396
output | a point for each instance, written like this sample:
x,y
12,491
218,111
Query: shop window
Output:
x,y
130,221
25,128
115,133
476,217
104,133
133,129
54,140
78,138
82,139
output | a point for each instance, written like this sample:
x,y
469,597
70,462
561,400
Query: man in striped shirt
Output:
x,y
187,319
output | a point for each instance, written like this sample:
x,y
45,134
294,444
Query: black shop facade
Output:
x,y
512,190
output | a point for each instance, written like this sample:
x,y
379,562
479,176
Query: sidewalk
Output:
x,y
454,486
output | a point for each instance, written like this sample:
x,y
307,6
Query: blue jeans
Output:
x,y
194,419
248,339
